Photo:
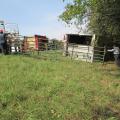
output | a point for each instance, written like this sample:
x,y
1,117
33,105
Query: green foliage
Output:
x,y
103,17
105,23
32,89
75,12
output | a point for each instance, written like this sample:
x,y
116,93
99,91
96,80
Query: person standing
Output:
x,y
3,43
116,52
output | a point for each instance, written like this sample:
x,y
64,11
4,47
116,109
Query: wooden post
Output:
x,y
104,54
46,46
72,52
87,55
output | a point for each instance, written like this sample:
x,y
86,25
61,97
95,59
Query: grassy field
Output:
x,y
32,89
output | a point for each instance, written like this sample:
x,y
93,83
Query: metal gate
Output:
x,y
85,53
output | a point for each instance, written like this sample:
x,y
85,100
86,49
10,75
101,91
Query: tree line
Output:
x,y
102,18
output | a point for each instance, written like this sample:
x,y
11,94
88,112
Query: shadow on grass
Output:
x,y
107,113
111,69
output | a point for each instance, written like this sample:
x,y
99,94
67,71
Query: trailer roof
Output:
x,y
80,34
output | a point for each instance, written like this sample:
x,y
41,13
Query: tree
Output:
x,y
102,17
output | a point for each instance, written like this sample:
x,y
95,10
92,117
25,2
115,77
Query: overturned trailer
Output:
x,y
36,42
81,47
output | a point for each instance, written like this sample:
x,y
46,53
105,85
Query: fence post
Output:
x,y
72,52
87,58
104,54
38,51
46,45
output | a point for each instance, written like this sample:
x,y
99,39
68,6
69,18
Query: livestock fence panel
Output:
x,y
44,50
86,53
57,51
86,56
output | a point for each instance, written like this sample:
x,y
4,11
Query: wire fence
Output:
x,y
86,56
58,51
52,51
73,51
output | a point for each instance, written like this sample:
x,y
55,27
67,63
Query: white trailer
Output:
x,y
82,47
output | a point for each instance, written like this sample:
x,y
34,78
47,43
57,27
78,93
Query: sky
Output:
x,y
36,17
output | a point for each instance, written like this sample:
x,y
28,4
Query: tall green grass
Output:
x,y
32,89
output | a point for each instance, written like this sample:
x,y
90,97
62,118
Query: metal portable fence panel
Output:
x,y
56,50
86,53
